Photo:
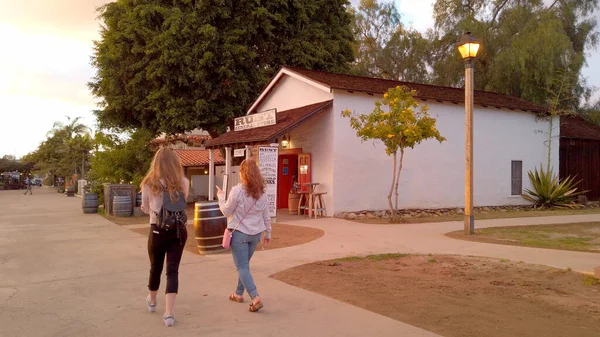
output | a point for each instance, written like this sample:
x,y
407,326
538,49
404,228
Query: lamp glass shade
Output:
x,y
284,142
468,46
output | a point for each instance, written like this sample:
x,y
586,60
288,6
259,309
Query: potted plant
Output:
x,y
294,196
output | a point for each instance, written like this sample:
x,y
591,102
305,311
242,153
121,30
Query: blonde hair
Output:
x,y
166,165
252,178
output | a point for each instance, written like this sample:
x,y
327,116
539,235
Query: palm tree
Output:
x,y
77,142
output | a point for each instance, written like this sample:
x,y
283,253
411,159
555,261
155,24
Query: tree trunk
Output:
x,y
392,191
398,175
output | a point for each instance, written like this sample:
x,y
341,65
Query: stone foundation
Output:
x,y
438,212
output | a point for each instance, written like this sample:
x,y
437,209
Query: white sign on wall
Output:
x,y
257,120
267,163
239,152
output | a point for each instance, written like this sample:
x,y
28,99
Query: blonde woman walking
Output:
x,y
165,188
248,217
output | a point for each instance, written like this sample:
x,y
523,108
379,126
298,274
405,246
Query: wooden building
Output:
x,y
579,154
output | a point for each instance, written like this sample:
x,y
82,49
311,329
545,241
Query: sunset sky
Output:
x,y
45,64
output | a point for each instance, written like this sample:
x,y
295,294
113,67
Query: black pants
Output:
x,y
161,244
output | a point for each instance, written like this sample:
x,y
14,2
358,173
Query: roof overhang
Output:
x,y
286,121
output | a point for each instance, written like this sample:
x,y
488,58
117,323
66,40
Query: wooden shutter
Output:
x,y
516,177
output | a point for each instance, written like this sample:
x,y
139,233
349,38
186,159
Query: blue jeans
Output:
x,y
243,247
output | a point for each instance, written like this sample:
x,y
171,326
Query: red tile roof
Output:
x,y
579,128
197,157
424,91
286,120
184,138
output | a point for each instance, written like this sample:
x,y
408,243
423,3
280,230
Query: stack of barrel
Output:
x,y
209,226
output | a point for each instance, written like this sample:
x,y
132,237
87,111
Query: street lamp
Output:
x,y
468,46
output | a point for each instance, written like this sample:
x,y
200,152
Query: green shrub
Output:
x,y
549,191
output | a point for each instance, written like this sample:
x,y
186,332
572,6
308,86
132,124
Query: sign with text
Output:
x,y
239,152
265,118
267,163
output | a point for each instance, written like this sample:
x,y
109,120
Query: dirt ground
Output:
x,y
583,237
460,296
282,236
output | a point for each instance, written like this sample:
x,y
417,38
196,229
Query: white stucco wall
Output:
x,y
315,136
433,173
292,93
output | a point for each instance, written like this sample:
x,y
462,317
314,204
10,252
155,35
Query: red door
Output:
x,y
288,168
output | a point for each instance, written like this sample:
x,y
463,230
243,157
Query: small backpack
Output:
x,y
172,214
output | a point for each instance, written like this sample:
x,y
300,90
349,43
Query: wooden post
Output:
x,y
211,175
248,151
228,165
469,220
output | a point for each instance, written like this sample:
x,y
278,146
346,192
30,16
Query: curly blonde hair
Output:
x,y
166,165
252,178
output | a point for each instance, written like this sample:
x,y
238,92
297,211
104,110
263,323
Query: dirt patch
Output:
x,y
460,296
583,237
283,236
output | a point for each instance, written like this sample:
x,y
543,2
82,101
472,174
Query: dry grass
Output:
x,y
583,237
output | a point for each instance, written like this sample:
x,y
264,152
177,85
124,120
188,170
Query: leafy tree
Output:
x,y
384,47
172,66
9,163
525,43
591,112
399,124
65,151
126,160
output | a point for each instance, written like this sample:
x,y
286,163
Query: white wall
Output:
x,y
292,93
199,185
315,136
433,173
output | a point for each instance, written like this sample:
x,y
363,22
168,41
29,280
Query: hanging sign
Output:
x,y
239,152
267,163
257,120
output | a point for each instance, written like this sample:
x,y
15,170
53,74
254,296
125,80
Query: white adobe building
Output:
x,y
508,141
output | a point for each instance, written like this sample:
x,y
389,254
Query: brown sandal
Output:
x,y
254,307
234,298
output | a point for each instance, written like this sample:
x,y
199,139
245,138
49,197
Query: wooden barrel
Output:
x,y
209,225
90,203
138,200
293,200
70,191
121,205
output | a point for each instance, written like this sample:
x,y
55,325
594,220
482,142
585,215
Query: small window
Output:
x,y
516,174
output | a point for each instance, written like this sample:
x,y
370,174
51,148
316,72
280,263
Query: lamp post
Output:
x,y
468,46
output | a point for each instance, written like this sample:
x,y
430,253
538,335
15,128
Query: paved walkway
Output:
x,y
65,273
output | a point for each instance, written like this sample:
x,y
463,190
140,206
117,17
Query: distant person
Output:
x,y
248,211
164,183
28,184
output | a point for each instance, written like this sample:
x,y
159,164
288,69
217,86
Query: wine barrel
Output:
x,y
138,200
70,191
293,199
121,205
209,225
90,203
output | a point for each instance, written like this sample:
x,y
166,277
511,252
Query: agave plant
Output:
x,y
549,191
